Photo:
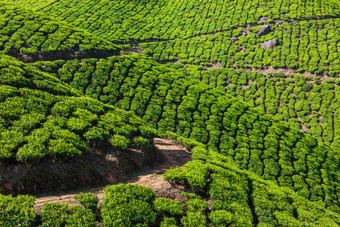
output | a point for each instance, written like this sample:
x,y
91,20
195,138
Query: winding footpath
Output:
x,y
169,155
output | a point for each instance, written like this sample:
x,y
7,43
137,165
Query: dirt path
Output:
x,y
169,155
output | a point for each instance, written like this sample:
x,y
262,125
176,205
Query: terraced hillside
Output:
x,y
310,46
308,103
43,119
241,198
31,36
224,34
237,198
251,87
223,195
171,101
141,20
210,31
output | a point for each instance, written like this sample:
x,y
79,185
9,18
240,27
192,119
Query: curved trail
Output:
x,y
169,155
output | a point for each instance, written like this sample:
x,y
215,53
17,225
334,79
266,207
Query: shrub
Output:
x,y
221,218
168,222
17,211
126,205
121,142
59,214
88,200
194,219
164,206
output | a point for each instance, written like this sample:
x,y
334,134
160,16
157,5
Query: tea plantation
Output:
x,y
171,101
42,117
251,88
31,36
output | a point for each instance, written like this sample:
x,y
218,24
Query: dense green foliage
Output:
x,y
128,205
135,205
306,102
171,101
59,214
209,31
248,168
26,33
124,20
241,198
305,46
311,107
40,118
165,206
88,200
236,198
17,211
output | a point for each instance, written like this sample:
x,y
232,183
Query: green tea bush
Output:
x,y
126,205
168,222
165,206
88,200
17,211
59,214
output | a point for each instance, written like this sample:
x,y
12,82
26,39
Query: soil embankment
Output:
x,y
88,170
169,155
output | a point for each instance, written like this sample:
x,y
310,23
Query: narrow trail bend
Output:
x,y
169,155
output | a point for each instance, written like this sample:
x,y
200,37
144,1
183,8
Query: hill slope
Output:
x,y
203,32
212,36
308,103
213,192
245,159
171,101
38,111
123,20
31,36
42,119
250,200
